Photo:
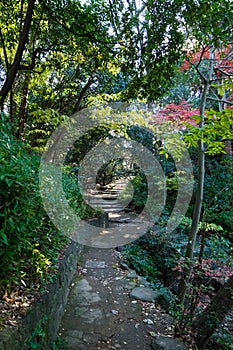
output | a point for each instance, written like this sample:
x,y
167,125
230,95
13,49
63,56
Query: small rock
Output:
x,y
120,249
115,312
95,264
167,343
152,334
124,266
132,274
131,285
144,294
143,281
148,321
165,298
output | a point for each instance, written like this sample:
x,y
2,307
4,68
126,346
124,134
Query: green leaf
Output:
x,y
3,238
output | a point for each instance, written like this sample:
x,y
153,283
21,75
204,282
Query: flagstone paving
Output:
x,y
100,314
109,305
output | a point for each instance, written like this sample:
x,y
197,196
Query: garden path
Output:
x,y
100,313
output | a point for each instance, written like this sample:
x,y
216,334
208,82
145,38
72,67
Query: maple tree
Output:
x,y
180,114
209,63
210,69
221,82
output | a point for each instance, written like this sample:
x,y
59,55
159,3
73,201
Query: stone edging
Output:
x,y
48,310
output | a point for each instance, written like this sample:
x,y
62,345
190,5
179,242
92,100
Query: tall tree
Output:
x,y
67,48
213,31
12,68
150,42
75,48
200,187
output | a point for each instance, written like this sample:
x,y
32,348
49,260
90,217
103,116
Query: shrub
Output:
x,y
218,194
152,256
29,243
74,196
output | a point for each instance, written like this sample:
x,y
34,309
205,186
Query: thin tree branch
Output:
x,y
223,72
219,100
198,64
113,17
82,94
70,30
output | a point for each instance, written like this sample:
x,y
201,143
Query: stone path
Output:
x,y
100,314
109,306
110,201
123,225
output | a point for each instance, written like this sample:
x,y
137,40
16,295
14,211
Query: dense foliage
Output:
x,y
28,240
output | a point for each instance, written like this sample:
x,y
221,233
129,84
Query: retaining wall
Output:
x,y
46,312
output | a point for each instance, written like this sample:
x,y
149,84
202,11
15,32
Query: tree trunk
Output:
x,y
222,105
215,313
14,67
197,208
199,195
23,106
228,148
82,94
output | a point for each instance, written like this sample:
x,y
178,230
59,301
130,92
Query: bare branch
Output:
x,y
223,72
